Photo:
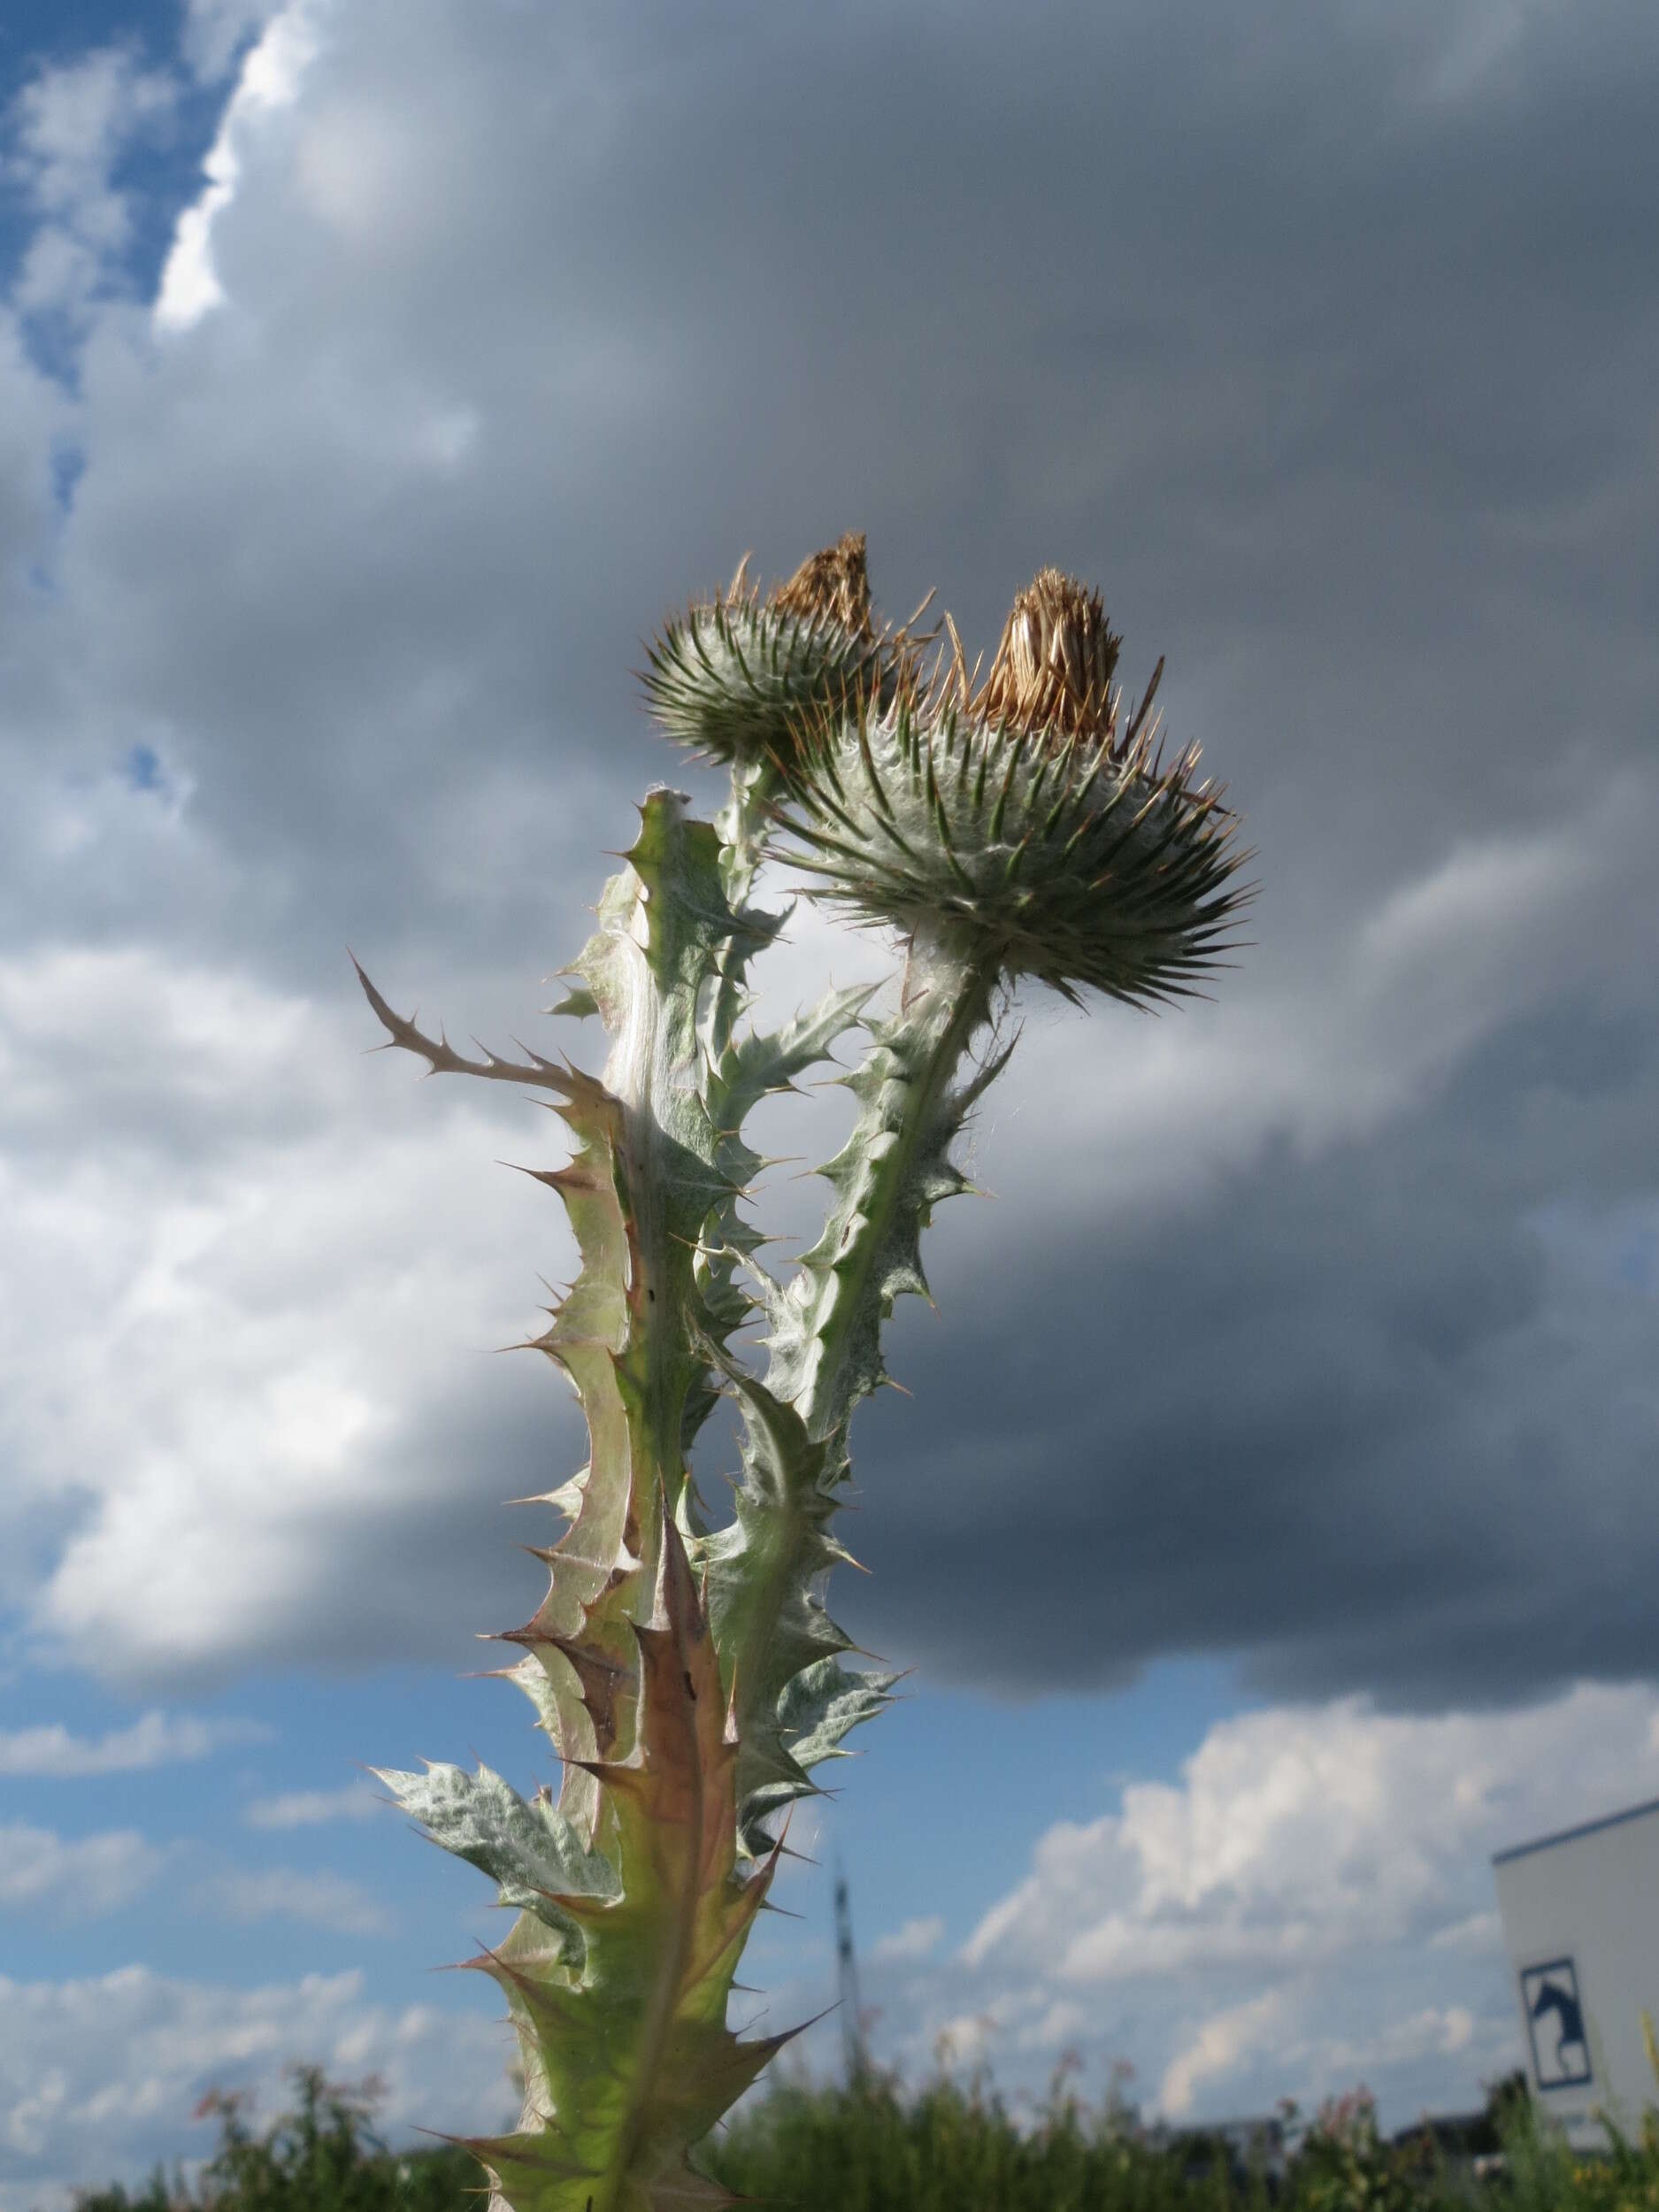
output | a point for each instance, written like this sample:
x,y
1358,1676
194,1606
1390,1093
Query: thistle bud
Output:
x,y
1016,825
734,677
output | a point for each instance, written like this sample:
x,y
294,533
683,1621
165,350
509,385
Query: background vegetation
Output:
x,y
946,2148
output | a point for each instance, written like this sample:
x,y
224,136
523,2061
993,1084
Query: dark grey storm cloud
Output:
x,y
1325,342
1320,343
1358,1422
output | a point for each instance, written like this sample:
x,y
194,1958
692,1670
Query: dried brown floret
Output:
x,y
1055,664
834,582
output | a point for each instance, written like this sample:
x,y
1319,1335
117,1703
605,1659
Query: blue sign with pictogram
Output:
x,y
1555,2023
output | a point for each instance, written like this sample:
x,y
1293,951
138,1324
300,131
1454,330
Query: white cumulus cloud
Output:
x,y
1300,1833
271,76
99,2077
155,1739
914,1940
1247,2029
67,1876
315,1899
313,1809
69,124
1312,1903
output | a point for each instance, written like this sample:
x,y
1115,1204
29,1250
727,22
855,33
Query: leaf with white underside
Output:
x,y
530,1851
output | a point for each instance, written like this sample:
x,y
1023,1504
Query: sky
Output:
x,y
1268,1524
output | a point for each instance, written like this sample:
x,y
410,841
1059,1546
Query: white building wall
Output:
x,y
1580,1915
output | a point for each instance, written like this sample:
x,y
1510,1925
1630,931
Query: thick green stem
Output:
x,y
778,1646
890,1174
630,1334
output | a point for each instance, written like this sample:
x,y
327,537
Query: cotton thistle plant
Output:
x,y
689,1675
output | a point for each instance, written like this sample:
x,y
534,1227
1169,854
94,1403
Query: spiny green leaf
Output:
x,y
530,1851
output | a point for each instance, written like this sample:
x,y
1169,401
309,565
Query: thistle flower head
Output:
x,y
734,676
1054,666
1019,823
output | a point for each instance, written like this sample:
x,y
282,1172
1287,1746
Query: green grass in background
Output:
x,y
945,2149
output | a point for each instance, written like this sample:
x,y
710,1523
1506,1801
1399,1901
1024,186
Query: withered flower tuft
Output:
x,y
1055,664
833,583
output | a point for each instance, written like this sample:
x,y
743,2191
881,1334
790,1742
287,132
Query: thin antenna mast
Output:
x,y
852,2021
